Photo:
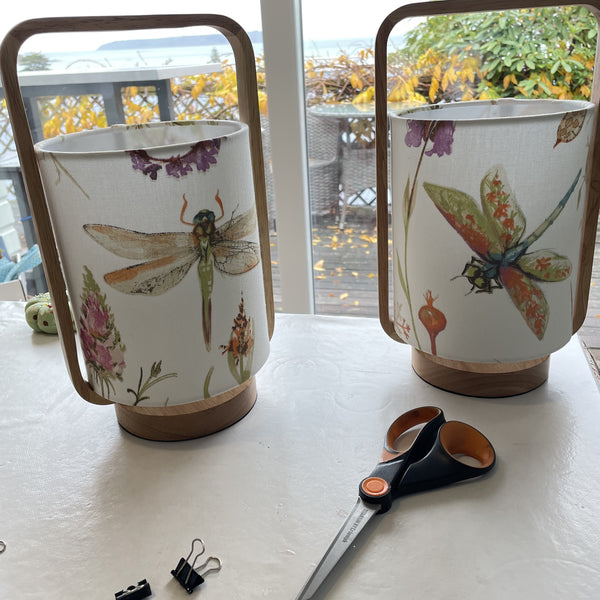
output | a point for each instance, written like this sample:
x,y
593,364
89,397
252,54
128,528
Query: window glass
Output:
x,y
77,81
339,80
547,52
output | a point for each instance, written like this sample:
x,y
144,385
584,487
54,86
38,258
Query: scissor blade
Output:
x,y
357,519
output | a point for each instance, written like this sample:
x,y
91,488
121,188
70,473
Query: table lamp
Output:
x,y
494,212
156,236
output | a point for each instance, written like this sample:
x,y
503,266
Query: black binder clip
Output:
x,y
190,577
135,592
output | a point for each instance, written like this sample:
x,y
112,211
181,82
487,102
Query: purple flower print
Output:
x,y
202,155
205,154
441,133
416,133
178,166
141,161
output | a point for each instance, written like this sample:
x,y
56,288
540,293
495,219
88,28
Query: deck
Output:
x,y
345,271
344,265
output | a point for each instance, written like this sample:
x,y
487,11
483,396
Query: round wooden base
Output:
x,y
188,421
488,380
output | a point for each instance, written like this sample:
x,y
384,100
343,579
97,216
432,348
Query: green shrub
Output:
x,y
535,53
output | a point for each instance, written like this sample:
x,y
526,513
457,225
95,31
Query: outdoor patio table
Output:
x,y
344,113
358,172
88,509
350,110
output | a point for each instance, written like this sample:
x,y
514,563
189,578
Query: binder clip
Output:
x,y
188,575
135,592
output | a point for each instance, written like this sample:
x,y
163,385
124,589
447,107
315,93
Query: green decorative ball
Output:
x,y
39,314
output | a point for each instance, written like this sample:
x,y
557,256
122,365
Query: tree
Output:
x,y
34,61
535,53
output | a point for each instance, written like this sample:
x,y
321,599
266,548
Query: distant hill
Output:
x,y
216,39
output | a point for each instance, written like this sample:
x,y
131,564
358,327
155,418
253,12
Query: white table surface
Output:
x,y
87,509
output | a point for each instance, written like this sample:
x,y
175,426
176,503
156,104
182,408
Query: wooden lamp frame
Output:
x,y
470,378
158,423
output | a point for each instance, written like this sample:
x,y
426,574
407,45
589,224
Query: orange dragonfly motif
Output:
x,y
167,257
494,234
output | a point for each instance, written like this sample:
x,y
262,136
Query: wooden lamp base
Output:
x,y
488,380
188,421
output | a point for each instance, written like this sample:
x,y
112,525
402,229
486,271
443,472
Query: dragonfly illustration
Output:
x,y
168,256
494,234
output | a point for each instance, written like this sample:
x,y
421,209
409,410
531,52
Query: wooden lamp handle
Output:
x,y
249,113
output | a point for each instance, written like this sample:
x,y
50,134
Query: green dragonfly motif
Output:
x,y
167,257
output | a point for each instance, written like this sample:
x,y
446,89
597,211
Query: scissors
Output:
x,y
421,451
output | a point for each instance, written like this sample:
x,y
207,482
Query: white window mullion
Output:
x,y
282,39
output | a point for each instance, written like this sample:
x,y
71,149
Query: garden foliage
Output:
x,y
532,53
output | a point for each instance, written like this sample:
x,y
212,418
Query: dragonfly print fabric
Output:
x,y
488,201
161,219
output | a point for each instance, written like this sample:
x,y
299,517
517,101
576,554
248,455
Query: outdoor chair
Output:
x,y
323,164
359,174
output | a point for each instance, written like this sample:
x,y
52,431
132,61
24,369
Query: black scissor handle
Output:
x,y
425,422
459,452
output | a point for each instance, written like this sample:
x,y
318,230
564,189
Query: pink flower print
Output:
x,y
96,318
100,339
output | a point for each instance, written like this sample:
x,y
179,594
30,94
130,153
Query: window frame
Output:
x,y
284,66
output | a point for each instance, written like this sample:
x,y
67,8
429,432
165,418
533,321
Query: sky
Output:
x,y
322,19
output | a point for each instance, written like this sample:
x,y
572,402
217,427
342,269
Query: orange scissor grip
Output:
x,y
398,440
422,451
408,439
460,439
460,452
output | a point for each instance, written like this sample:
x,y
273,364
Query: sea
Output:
x,y
192,55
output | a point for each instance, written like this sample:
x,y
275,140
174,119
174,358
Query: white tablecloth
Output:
x,y
86,509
